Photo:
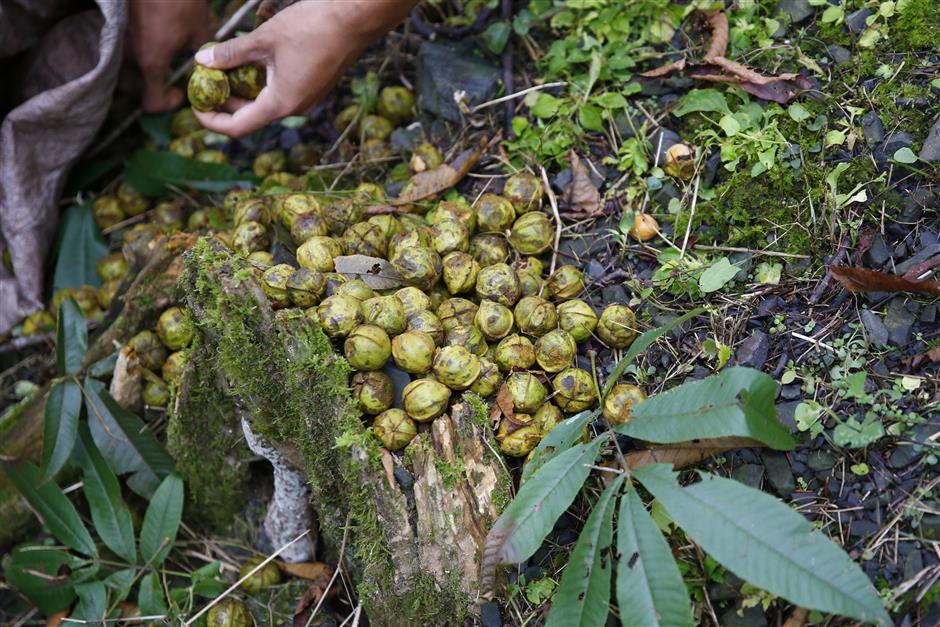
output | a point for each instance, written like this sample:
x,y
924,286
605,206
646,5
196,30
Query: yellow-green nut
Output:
x,y
312,315
268,163
132,202
169,216
149,349
565,282
252,209
198,220
334,281
489,248
427,322
532,265
373,391
367,347
175,329
274,283
107,211
389,224
449,236
425,399
318,252
529,283
458,211
470,337
409,238
555,350
396,103
384,311
617,326
247,81
262,579
156,393
306,287
260,260
108,292
302,157
514,351
339,315
527,392
524,191
172,371
419,267
111,267
188,146
368,193
308,225
232,198
208,88
211,156
520,442
426,156
394,429
532,233
413,351
229,613
493,320
375,149
535,316
249,237
577,318
456,312
547,417
375,127
574,390
349,114
184,122
488,381
38,322
365,238
438,294
413,300
494,213
460,272
290,206
86,297
618,406
499,283
456,367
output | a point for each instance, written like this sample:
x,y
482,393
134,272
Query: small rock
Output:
x,y
877,331
754,350
615,294
891,144
873,128
899,322
404,140
925,197
403,477
490,615
903,456
798,10
711,169
727,589
533,573
929,314
786,413
921,255
750,617
879,253
594,269
820,461
666,193
628,125
791,392
863,528
930,152
749,474
444,69
839,56
856,22
779,475
913,564
910,212
930,527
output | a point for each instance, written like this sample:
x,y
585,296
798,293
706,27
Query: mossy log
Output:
x,y
412,529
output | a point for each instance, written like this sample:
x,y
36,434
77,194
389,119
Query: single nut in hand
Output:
x,y
208,88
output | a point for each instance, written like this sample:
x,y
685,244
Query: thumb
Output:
x,y
232,53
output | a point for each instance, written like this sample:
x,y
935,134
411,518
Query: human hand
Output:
x,y
305,48
158,31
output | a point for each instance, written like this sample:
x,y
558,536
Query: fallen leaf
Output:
x,y
663,70
378,273
311,571
581,194
389,465
865,280
933,355
432,182
686,453
127,381
54,620
502,407
717,23
311,598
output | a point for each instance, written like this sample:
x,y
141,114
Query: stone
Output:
x,y
903,456
490,615
839,55
930,151
873,128
615,294
877,331
754,350
863,528
749,474
891,144
797,10
899,322
856,21
791,392
444,69
878,253
786,413
750,617
820,461
921,255
594,270
777,470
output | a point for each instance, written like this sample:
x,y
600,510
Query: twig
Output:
x,y
837,260
508,82
688,226
753,251
496,101
554,204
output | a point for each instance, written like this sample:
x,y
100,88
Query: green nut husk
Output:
x,y
413,351
172,371
457,211
397,104
375,127
38,322
365,238
499,283
449,236
535,316
565,282
267,163
188,146
290,206
308,225
460,272
247,81
524,191
514,351
547,417
260,260
409,238
318,252
527,392
302,157
577,318
334,281
169,216
274,283
618,405
555,350
425,157
208,88
341,214
389,224
175,329
456,312
368,193
617,326
184,122
413,300
232,198
425,399
493,320
470,337
456,367
529,283
111,267
349,115
107,293
427,322
306,287
494,213
267,576
574,390
229,613
419,267
339,315
489,380
252,209
520,442
394,429
211,156
156,393
489,248
356,288
149,349
107,211
249,237
367,347
373,391
532,233
132,202
386,312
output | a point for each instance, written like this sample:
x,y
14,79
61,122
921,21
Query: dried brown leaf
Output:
x,y
311,571
581,194
389,465
797,617
933,355
432,182
378,273
686,453
717,22
664,70
502,407
55,620
865,280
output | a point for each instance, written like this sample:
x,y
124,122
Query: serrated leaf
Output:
x,y
109,513
766,543
150,596
79,246
523,525
92,602
649,587
737,402
584,592
60,427
161,521
559,439
36,572
71,338
52,506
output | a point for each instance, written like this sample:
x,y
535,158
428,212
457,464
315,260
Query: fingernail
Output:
x,y
205,56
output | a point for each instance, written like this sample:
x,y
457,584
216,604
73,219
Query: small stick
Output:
x,y
753,251
490,103
554,204
688,226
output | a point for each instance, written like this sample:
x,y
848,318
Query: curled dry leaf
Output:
x,y
502,407
581,195
686,453
933,356
865,280
378,273
388,463
432,182
127,382
319,575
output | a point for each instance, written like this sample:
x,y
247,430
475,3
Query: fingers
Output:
x,y
234,52
248,115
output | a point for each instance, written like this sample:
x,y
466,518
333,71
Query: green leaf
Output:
x,y
124,441
703,100
150,172
523,525
766,543
79,246
610,100
738,402
109,513
717,275
496,36
650,590
60,427
162,521
104,367
834,13
834,138
559,439
86,173
584,592
120,581
729,125
854,434
546,105
92,602
769,273
71,338
157,126
590,118
523,22
36,572
905,155
150,596
798,113
53,507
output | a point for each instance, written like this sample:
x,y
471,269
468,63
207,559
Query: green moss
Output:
x,y
479,407
917,26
